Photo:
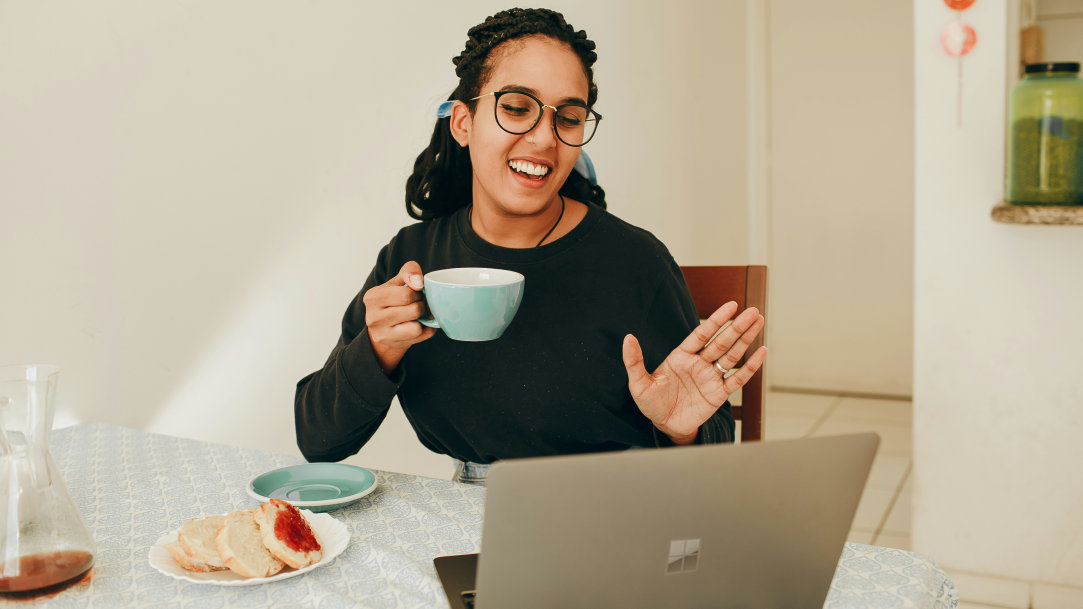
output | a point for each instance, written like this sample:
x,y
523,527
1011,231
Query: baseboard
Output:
x,y
868,395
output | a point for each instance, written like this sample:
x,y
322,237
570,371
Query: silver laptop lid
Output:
x,y
748,525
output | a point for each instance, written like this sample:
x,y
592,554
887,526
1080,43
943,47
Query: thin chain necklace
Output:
x,y
470,217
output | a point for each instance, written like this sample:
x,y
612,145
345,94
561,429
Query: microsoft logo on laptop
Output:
x,y
683,556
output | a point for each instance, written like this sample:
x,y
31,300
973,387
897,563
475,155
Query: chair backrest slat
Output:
x,y
713,286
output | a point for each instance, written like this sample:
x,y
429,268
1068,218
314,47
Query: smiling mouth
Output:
x,y
528,169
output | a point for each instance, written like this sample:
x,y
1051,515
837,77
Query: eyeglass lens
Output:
x,y
518,113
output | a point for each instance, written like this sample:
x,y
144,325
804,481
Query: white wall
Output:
x,y
841,195
998,487
193,191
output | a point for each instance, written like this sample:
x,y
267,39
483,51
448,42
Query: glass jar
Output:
x,y
1045,145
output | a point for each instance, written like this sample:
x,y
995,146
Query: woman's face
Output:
x,y
552,72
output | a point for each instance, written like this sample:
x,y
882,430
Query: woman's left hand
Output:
x,y
687,388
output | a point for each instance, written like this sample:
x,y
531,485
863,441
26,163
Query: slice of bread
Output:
x,y
185,561
287,534
196,537
241,547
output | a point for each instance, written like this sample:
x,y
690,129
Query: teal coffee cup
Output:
x,y
472,304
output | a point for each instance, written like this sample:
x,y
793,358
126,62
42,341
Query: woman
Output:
x,y
604,301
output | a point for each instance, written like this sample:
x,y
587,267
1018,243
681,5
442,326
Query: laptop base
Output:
x,y
457,574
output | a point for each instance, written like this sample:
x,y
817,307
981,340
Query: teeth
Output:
x,y
528,168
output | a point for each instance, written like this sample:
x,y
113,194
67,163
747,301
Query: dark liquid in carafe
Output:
x,y
44,572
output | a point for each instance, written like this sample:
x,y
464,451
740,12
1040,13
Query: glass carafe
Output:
x,y
44,543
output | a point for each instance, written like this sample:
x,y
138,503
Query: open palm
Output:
x,y
687,388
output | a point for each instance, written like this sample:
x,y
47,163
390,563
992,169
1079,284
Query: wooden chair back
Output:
x,y
713,286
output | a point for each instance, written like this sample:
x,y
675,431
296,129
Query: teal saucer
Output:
x,y
314,486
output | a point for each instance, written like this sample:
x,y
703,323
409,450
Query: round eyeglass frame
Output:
x,y
556,109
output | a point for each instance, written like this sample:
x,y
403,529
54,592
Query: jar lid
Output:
x,y
1045,68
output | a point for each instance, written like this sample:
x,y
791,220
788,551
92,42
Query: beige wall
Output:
x,y
1062,26
841,195
192,192
998,487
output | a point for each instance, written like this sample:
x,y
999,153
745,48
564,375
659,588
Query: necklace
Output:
x,y
470,216
559,218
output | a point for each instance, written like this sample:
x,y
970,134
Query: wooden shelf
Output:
x,y
1038,214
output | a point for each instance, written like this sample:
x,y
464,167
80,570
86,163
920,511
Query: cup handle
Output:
x,y
429,321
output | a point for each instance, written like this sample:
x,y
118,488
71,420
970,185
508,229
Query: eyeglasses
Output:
x,y
518,112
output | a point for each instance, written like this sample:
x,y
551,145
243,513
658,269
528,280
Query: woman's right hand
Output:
x,y
391,313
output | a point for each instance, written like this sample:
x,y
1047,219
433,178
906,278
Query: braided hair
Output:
x,y
442,180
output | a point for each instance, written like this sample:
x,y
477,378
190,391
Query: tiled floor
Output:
x,y
883,516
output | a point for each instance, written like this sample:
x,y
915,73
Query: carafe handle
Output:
x,y
5,443
14,445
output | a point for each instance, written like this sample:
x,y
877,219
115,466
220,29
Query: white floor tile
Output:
x,y
804,404
898,519
781,427
983,589
889,540
1048,596
864,536
886,411
873,506
894,439
888,471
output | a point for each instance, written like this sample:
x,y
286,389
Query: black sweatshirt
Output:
x,y
554,383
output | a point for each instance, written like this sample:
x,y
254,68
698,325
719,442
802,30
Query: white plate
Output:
x,y
333,536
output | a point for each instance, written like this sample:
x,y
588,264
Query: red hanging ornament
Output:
x,y
958,38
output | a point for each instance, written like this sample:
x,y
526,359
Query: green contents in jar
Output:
x,y
1047,163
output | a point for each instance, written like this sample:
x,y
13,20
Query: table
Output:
x,y
132,487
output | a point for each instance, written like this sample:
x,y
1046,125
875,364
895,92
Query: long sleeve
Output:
x,y
338,408
554,383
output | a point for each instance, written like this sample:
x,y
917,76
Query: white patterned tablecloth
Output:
x,y
132,487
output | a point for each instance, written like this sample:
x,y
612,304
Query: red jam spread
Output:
x,y
292,530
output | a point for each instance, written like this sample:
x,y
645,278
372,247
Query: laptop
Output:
x,y
735,525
